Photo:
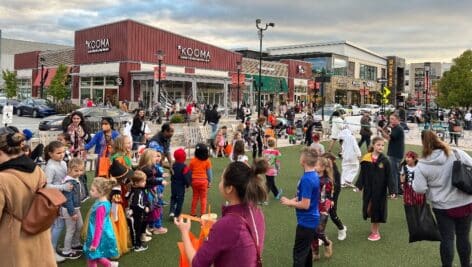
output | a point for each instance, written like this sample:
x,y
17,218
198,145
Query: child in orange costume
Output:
x,y
200,166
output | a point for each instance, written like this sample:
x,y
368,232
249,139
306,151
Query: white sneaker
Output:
x,y
145,238
59,258
342,233
114,263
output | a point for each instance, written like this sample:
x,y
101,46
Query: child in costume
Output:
x,y
407,175
351,154
100,242
180,180
325,172
272,155
118,218
154,179
239,152
137,211
202,174
373,181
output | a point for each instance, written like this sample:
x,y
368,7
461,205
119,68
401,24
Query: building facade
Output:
x,y
354,71
119,61
421,81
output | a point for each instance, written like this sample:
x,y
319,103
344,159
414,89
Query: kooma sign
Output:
x,y
97,46
194,54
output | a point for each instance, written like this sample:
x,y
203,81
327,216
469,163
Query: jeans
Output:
x,y
137,139
302,255
448,227
366,139
56,231
395,177
214,128
73,229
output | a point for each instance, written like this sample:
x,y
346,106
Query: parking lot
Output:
x,y
25,122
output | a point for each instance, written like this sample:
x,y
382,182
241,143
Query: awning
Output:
x,y
270,84
48,75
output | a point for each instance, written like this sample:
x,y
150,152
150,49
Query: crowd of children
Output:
x,y
129,204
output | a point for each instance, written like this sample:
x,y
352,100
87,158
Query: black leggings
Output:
x,y
333,211
257,148
270,182
455,137
448,227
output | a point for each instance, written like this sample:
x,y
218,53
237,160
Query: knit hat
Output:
x,y
180,156
156,146
108,120
28,134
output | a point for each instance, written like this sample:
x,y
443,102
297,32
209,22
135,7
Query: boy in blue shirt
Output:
x,y
306,207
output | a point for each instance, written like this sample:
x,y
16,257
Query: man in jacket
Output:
x,y
365,132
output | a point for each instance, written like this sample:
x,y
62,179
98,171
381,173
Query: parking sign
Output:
x,y
7,114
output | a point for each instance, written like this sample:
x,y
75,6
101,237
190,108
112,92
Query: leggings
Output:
x,y
270,182
102,261
257,148
320,233
333,214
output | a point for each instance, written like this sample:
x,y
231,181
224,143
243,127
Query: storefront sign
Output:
x,y
234,79
390,73
300,69
194,54
163,73
98,46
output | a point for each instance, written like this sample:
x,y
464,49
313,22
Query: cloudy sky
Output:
x,y
418,30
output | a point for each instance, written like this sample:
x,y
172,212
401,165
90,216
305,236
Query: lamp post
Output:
x,y
427,69
160,56
41,87
260,32
238,64
365,93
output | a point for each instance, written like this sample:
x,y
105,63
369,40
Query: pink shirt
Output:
x,y
229,243
99,219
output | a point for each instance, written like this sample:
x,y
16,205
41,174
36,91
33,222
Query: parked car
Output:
x,y
93,117
35,108
352,110
371,108
328,112
4,101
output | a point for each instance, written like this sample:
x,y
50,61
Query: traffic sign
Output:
x,y
385,100
7,114
386,92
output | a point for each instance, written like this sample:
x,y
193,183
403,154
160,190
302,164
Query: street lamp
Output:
x,y
365,93
427,69
238,65
260,32
41,88
160,57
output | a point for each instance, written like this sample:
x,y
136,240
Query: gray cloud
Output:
x,y
416,30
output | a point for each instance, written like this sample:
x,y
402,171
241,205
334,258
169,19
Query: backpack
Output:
x,y
44,209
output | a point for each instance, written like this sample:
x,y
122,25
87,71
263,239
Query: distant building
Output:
x,y
357,74
421,81
10,47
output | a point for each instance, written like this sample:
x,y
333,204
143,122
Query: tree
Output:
x,y
455,87
11,83
58,89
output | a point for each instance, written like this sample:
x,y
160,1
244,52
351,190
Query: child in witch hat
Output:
x,y
180,180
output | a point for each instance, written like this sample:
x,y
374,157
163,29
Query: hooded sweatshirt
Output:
x,y
433,176
350,148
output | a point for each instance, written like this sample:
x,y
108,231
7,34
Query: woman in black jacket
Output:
x,y
137,130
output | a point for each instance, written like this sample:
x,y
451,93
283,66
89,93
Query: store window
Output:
x,y
97,81
211,93
100,89
24,88
351,69
340,67
111,80
340,97
319,63
368,72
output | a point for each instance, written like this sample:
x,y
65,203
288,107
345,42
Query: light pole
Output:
x,y
365,94
160,56
260,32
238,65
41,87
427,69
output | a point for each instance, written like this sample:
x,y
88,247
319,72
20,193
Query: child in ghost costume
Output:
x,y
350,158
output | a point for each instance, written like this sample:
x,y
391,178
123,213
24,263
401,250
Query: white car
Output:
x,y
352,110
371,108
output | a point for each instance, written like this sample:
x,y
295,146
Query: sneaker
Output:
x,y
114,264
145,238
374,237
140,248
70,255
78,248
59,258
348,184
172,215
148,232
342,233
328,252
279,195
159,231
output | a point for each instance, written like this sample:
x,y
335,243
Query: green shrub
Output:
x,y
177,118
64,107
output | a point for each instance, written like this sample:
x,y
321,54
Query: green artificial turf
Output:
x,y
392,250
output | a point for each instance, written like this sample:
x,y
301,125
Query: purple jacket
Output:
x,y
229,242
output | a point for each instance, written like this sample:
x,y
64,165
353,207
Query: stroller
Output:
x,y
299,131
281,128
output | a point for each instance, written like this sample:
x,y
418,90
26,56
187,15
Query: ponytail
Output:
x,y
247,181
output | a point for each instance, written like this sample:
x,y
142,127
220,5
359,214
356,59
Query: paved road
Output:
x,y
25,122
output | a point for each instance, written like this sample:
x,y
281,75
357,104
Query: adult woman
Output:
x,y
237,239
78,134
137,130
452,207
18,174
453,124
102,140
